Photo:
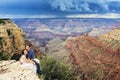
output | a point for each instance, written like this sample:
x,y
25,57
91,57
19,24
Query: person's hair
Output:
x,y
28,45
23,52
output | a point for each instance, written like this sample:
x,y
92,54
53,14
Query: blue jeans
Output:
x,y
38,67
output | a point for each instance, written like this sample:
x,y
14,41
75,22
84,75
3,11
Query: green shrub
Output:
x,y
16,57
2,56
55,70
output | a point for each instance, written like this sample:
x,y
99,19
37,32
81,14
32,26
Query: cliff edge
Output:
x,y
11,70
12,38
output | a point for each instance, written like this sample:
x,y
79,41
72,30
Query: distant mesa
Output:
x,y
44,30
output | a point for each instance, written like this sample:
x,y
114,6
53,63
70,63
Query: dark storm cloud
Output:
x,y
58,8
29,7
89,6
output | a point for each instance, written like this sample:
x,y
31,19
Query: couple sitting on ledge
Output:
x,y
27,60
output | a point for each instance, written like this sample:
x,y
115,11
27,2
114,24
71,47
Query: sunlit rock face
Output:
x,y
93,56
12,38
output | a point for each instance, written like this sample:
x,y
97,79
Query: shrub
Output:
x,y
2,56
16,57
55,70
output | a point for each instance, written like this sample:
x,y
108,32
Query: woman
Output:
x,y
26,63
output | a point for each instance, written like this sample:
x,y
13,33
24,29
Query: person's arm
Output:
x,y
32,62
32,54
20,60
28,60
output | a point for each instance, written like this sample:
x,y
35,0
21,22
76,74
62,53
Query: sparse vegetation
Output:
x,y
4,21
2,56
55,70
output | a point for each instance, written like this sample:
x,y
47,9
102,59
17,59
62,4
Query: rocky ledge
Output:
x,y
11,70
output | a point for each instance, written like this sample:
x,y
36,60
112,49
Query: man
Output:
x,y
30,52
30,56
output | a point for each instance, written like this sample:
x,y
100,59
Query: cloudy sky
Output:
x,y
60,8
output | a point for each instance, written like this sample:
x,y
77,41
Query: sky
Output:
x,y
60,8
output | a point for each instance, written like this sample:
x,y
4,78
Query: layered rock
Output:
x,y
89,57
11,70
92,60
98,31
44,30
112,41
11,37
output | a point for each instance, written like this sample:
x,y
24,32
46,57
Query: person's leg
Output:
x,y
38,67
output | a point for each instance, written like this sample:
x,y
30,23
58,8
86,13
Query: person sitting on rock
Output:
x,y
30,56
27,63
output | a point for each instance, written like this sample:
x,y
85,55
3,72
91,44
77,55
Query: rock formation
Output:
x,y
11,70
112,41
89,57
95,58
11,38
44,30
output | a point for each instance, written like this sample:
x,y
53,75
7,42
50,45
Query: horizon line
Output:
x,y
107,15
